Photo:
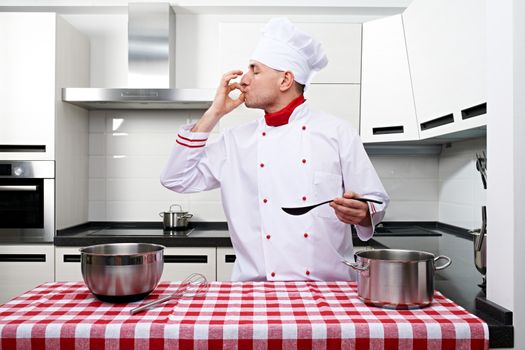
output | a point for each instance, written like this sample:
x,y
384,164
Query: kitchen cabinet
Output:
x,y
387,103
446,52
180,262
225,261
335,89
23,267
28,85
67,264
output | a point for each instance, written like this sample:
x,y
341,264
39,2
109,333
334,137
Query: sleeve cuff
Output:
x,y
190,139
376,215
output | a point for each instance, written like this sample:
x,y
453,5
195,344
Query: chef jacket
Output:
x,y
260,169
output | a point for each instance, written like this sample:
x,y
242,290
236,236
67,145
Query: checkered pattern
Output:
x,y
234,315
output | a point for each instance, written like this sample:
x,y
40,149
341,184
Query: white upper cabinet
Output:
x,y
446,51
387,104
27,85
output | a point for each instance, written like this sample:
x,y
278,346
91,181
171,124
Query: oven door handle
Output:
x,y
18,188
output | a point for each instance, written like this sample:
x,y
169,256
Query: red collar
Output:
x,y
282,116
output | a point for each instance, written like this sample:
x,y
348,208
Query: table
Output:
x,y
231,315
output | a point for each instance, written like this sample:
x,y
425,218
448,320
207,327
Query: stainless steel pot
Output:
x,y
122,272
175,220
394,278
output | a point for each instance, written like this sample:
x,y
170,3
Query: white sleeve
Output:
x,y
359,175
194,165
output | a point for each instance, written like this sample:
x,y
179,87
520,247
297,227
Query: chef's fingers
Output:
x,y
351,194
344,213
351,203
238,101
234,86
229,76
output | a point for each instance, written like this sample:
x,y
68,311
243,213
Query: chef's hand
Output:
x,y
351,211
222,104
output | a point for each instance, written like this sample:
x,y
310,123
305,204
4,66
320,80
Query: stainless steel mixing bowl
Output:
x,y
122,272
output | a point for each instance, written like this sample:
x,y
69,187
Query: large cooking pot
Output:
x,y
175,220
122,272
395,278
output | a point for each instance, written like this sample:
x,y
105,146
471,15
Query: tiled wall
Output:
x,y
127,150
461,192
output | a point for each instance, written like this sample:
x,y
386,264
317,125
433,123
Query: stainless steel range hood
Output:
x,y
151,68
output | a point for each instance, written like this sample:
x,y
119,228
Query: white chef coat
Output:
x,y
260,169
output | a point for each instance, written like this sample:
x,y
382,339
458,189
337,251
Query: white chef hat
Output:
x,y
284,47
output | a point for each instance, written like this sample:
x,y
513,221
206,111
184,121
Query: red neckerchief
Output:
x,y
282,116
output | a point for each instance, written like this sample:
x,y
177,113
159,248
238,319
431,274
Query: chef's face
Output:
x,y
261,85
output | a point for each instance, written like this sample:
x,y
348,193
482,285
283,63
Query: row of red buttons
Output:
x,y
302,128
305,236
307,273
302,161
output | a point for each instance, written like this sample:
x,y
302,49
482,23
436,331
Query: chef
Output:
x,y
292,156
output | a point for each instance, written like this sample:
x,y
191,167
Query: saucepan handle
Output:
x,y
161,214
445,265
356,266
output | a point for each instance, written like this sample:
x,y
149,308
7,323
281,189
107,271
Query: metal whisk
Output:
x,y
193,285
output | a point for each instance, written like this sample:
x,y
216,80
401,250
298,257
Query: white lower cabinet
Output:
x,y
23,267
225,261
180,262
67,264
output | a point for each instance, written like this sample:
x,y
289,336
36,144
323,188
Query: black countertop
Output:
x,y
459,282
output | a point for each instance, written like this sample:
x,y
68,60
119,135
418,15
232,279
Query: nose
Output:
x,y
245,80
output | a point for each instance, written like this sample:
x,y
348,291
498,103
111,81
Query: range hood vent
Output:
x,y
151,68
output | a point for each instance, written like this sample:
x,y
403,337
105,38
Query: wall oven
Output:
x,y
27,201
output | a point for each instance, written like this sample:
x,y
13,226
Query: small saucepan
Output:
x,y
175,220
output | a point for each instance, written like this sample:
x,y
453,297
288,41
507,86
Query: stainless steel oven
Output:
x,y
27,201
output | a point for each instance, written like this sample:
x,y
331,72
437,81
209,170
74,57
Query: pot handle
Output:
x,y
175,205
188,216
161,214
444,266
356,266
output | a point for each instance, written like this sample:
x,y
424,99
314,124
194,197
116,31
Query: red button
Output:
x,y
273,274
304,161
268,236
262,165
304,198
263,134
304,127
305,235
265,200
307,272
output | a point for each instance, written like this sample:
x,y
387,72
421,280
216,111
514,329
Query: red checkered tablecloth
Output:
x,y
234,315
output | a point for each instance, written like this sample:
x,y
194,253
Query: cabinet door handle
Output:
x,y
22,148
186,259
22,258
474,111
434,123
71,258
28,188
230,258
388,130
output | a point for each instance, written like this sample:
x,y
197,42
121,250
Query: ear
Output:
x,y
287,81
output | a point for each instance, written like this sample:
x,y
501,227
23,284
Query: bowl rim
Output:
x,y
160,248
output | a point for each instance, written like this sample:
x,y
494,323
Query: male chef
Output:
x,y
292,156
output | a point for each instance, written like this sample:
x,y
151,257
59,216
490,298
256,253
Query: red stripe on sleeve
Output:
x,y
187,139
190,146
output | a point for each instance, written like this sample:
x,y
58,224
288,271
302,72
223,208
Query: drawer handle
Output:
x,y
22,257
186,259
388,130
71,258
434,123
22,148
474,111
230,258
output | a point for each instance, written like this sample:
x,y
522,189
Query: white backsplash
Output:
x,y
127,150
461,192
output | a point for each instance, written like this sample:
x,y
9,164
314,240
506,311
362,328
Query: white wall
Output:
x,y
461,192
506,149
